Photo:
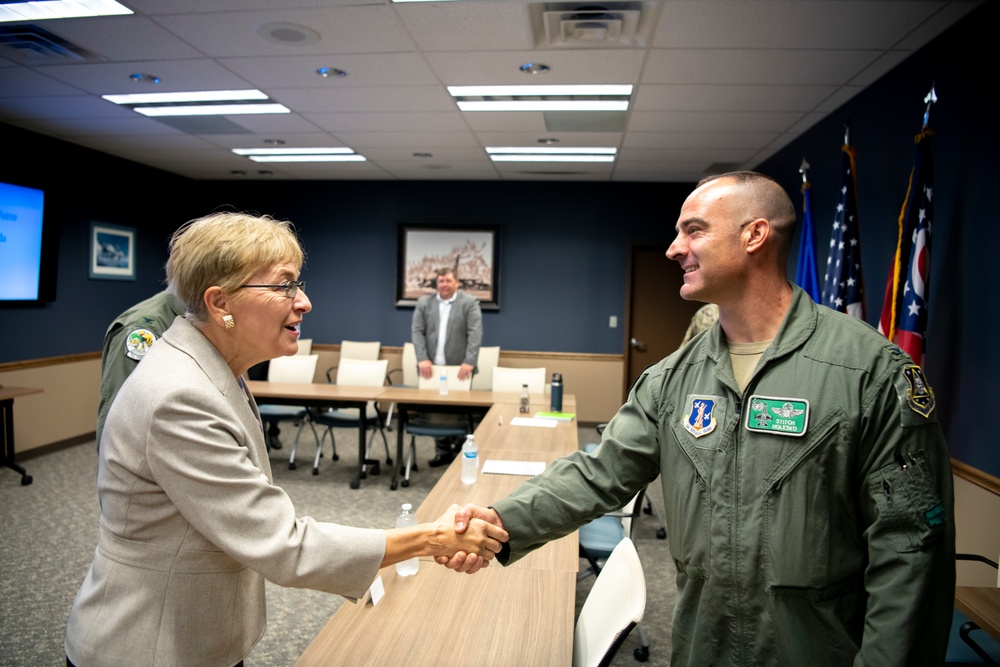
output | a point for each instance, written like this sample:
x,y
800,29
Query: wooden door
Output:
x,y
656,317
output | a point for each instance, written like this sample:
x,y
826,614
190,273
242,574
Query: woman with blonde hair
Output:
x,y
191,522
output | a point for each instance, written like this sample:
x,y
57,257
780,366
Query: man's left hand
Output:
x,y
465,371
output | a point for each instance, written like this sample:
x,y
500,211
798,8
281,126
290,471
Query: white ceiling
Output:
x,y
716,81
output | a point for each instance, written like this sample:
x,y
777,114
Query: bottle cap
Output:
x,y
407,507
557,377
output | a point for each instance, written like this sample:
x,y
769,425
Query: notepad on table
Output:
x,y
558,416
526,468
531,421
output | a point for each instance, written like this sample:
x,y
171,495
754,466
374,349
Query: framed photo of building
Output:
x,y
112,251
472,252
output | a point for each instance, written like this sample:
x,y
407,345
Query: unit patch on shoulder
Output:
x,y
919,395
700,420
138,342
781,416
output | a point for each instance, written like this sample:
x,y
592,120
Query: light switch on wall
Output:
x,y
613,322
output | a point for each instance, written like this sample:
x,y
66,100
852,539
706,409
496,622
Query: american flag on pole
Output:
x,y
904,310
843,284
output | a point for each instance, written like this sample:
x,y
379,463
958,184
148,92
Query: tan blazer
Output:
x,y
191,522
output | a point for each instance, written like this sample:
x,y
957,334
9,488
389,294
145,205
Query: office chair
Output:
x,y
297,369
489,358
354,373
964,648
598,539
435,429
614,606
408,370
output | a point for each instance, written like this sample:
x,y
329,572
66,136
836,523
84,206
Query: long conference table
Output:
x,y
517,615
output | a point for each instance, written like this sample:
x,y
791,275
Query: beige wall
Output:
x,y
67,406
977,529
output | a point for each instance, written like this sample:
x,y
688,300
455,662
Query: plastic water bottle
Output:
x,y
525,399
443,390
406,519
470,460
556,393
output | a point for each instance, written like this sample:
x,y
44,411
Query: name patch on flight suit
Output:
x,y
780,416
138,342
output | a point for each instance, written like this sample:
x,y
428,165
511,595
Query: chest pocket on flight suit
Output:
x,y
809,511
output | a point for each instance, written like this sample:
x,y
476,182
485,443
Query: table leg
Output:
x,y
400,430
7,415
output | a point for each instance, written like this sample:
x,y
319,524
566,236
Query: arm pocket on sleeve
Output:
x,y
908,504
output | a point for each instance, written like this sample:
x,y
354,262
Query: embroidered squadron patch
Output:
x,y
701,419
919,396
138,342
781,416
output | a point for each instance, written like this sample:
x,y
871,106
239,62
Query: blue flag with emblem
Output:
x,y
805,274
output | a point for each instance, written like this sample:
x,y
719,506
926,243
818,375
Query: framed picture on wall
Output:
x,y
112,251
472,251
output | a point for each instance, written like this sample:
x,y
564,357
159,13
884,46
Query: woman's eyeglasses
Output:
x,y
291,287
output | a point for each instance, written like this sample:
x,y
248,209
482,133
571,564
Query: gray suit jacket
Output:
x,y
465,329
191,522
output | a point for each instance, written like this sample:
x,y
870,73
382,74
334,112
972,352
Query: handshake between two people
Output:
x,y
463,539
466,519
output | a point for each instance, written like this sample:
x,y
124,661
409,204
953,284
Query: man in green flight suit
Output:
x,y
127,340
806,481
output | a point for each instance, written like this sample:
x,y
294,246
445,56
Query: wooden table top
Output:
x,y
497,617
312,392
518,615
982,605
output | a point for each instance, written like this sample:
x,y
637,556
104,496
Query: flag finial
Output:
x,y
929,99
803,168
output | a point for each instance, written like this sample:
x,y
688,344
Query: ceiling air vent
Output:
x,y
575,25
30,45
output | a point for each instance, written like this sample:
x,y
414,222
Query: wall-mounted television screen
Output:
x,y
24,272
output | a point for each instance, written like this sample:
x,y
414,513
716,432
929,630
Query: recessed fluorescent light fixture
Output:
x,y
199,103
293,151
212,110
300,154
552,158
354,157
542,98
548,154
536,91
193,96
60,9
545,150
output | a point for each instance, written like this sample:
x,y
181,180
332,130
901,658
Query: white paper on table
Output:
x,y
533,421
526,468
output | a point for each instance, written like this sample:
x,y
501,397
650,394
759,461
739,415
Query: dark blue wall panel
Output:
x,y
961,359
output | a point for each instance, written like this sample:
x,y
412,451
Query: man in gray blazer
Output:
x,y
456,342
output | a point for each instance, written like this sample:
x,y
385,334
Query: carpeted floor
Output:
x,y
49,530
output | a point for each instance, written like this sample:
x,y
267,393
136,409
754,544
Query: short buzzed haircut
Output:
x,y
765,199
